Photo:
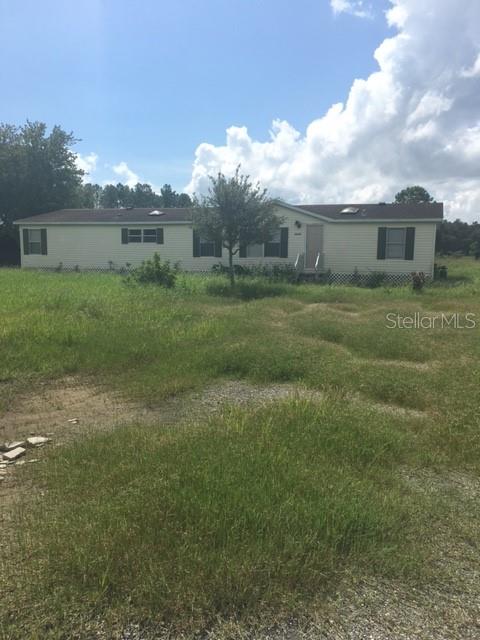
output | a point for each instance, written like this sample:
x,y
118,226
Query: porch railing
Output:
x,y
319,261
300,262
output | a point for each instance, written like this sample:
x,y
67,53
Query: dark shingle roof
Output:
x,y
377,211
333,212
120,216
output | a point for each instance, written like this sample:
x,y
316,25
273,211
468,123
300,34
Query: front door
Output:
x,y
313,245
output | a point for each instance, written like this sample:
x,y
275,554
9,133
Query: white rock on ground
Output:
x,y
8,446
14,454
35,441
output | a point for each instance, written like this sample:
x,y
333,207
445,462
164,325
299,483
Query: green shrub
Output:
x,y
239,269
155,271
375,279
276,272
245,289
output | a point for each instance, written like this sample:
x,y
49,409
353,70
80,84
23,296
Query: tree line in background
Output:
x,y
453,238
111,196
458,238
39,173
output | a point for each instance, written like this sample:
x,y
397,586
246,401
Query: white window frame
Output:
x,y
395,245
205,243
134,236
34,243
149,236
274,240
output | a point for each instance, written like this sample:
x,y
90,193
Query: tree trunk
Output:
x,y
230,266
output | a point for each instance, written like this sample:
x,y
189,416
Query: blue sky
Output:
x,y
146,82
320,100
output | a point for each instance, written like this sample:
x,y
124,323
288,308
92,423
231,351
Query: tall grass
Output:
x,y
246,288
151,343
254,510
251,512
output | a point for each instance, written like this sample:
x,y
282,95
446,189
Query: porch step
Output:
x,y
310,275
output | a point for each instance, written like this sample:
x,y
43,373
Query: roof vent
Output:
x,y
156,213
350,210
382,203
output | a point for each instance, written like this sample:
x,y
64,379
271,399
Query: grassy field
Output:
x,y
253,510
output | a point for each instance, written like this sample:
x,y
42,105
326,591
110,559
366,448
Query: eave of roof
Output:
x,y
431,212
31,222
383,213
111,216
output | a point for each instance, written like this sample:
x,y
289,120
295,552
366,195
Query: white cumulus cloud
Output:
x,y
474,70
87,163
126,175
357,8
415,120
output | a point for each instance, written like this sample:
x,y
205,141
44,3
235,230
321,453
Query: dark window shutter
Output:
x,y
284,242
410,243
124,236
43,239
196,244
218,249
381,243
26,246
159,236
243,251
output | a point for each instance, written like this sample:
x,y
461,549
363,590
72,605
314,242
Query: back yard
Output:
x,y
293,466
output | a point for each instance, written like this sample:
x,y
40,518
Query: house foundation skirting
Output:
x,y
367,279
371,279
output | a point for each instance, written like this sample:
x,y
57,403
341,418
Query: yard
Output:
x,y
294,464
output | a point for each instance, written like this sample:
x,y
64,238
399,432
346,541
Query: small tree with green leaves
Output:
x,y
235,212
414,195
474,249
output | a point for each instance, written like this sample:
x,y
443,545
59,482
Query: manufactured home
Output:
x,y
395,239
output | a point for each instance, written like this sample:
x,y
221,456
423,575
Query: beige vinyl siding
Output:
x,y
97,246
347,245
296,240
94,246
353,245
